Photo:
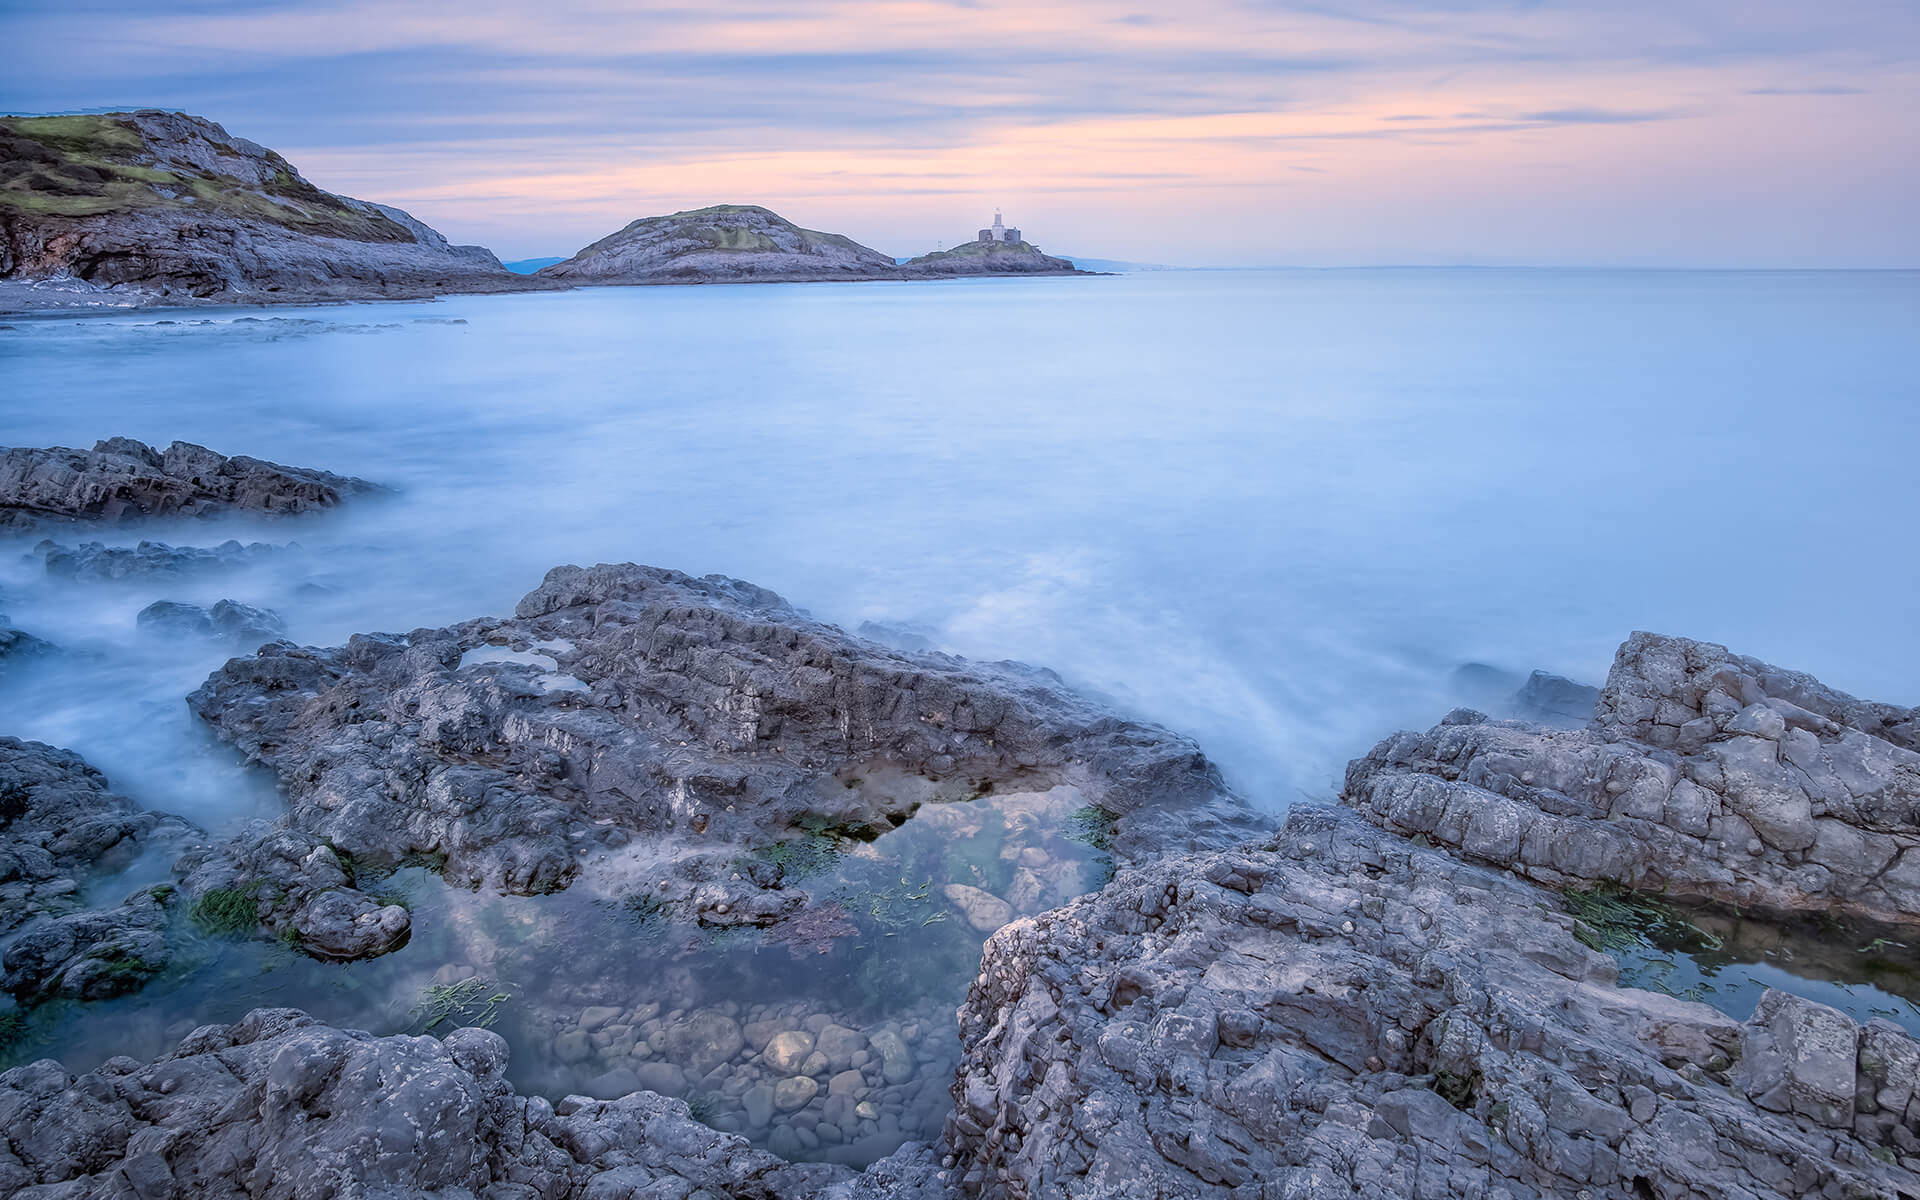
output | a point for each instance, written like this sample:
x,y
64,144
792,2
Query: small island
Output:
x,y
745,243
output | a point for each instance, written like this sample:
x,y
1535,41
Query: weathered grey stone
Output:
x,y
277,1105
1702,774
1428,1028
62,830
258,232
121,479
705,713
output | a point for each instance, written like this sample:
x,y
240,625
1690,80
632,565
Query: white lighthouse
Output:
x,y
999,232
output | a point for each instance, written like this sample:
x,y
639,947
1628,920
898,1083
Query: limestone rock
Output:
x,y
276,1104
705,713
1337,1013
1702,774
163,207
61,832
121,479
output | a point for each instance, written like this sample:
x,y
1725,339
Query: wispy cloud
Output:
x,y
1596,129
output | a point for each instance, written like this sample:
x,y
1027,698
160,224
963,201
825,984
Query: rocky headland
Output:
x,y
744,243
122,480
165,208
1387,998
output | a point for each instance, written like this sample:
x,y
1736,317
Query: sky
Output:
x,y
1732,133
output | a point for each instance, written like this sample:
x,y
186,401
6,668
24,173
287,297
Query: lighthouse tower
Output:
x,y
999,232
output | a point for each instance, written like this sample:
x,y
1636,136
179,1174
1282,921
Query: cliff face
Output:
x,y
726,243
987,258
176,207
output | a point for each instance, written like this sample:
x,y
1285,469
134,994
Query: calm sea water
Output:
x,y
1274,510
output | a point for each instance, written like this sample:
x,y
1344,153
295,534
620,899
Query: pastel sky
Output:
x,y
1209,132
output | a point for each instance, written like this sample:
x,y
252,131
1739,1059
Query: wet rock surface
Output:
x,y
1330,1011
1340,1013
705,715
279,1105
225,620
1702,773
96,562
122,479
61,831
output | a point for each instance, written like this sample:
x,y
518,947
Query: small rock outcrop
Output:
x,y
725,243
1338,1013
278,1105
1702,774
704,715
121,479
226,620
987,258
173,209
62,830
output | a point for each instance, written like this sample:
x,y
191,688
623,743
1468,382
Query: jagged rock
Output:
x,y
122,479
278,1105
61,829
706,714
227,620
94,562
162,207
1339,1013
1556,698
1702,774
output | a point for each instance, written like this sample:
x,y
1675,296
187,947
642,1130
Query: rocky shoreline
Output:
x,y
1394,996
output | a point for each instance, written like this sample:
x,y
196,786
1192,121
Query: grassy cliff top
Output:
x,y
137,162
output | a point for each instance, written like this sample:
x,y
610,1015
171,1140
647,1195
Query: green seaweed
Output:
x,y
1612,918
472,1002
226,911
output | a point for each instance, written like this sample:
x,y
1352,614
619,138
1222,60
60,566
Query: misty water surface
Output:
x,y
1274,510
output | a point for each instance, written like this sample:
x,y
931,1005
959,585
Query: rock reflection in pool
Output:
x,y
830,1036
1726,959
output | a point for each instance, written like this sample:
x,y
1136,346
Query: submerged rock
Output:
x,y
1339,1013
1702,774
706,715
121,479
